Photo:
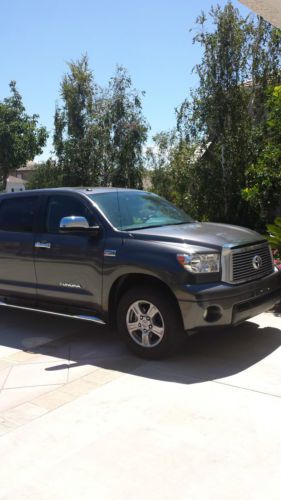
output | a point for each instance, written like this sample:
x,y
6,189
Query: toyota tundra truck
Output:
x,y
132,259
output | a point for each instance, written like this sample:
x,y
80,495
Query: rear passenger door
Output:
x,y
17,270
69,266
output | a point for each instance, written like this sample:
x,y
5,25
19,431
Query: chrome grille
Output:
x,y
243,263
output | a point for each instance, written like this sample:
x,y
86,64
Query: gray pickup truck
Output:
x,y
130,258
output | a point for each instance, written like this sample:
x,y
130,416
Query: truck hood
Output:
x,y
204,234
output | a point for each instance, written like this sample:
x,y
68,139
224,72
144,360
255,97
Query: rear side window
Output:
x,y
60,206
17,214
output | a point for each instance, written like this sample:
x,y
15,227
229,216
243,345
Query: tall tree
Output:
x,y
99,133
128,131
75,134
219,113
21,139
241,58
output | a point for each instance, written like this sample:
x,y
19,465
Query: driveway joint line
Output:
x,y
6,378
68,362
32,387
246,389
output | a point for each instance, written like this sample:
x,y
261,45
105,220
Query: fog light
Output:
x,y
212,314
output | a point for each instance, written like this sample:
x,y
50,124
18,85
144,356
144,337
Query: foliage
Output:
x,y
47,175
227,112
219,113
158,160
263,189
75,123
128,131
99,133
174,175
21,139
274,232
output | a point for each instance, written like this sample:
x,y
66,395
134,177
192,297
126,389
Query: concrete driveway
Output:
x,y
82,418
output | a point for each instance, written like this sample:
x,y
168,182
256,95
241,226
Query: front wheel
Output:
x,y
149,322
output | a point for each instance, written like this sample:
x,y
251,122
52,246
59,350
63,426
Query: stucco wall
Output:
x,y
269,9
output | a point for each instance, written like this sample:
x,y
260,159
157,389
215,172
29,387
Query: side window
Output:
x,y
17,214
60,206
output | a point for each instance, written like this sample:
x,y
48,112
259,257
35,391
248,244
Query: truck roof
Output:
x,y
84,190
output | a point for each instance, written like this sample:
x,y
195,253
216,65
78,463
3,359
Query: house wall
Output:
x,y
14,187
268,9
25,174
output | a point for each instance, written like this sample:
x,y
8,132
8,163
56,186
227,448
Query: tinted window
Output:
x,y
17,214
137,209
64,206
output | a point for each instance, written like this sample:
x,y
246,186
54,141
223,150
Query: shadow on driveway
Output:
x,y
208,355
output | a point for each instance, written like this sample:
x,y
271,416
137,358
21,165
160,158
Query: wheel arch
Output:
x,y
125,282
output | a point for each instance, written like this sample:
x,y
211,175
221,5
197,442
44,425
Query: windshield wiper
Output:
x,y
178,223
158,225
141,227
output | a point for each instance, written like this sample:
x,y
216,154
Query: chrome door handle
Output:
x,y
41,244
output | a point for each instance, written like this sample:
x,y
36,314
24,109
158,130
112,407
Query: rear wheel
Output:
x,y
149,322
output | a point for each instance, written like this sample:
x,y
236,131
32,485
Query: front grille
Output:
x,y
243,263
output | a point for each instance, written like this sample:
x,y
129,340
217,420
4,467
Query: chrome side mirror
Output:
x,y
74,223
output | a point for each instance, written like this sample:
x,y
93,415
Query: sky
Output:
x,y
151,38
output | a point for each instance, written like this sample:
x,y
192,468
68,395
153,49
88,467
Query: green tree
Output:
x,y
21,139
158,162
265,53
219,113
263,190
241,58
128,131
184,175
47,175
75,136
99,133
172,163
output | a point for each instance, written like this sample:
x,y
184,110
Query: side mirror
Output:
x,y
74,223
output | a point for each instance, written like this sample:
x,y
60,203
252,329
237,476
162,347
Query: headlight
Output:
x,y
200,262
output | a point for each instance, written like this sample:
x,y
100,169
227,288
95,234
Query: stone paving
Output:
x,y
80,417
42,367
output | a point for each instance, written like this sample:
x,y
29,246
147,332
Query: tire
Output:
x,y
149,322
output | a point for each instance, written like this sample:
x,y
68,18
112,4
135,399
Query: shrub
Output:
x,y
274,238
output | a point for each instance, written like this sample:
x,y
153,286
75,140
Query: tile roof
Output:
x,y
16,180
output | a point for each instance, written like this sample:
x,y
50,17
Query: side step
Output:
x,y
83,317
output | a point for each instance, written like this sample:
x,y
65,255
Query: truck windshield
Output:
x,y
133,210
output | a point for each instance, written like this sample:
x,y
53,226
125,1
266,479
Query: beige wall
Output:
x,y
269,9
14,187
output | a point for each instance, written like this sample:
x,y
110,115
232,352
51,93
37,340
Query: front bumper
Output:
x,y
233,303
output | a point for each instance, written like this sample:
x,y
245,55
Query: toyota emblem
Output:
x,y
257,262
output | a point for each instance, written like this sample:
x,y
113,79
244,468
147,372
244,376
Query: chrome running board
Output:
x,y
83,317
